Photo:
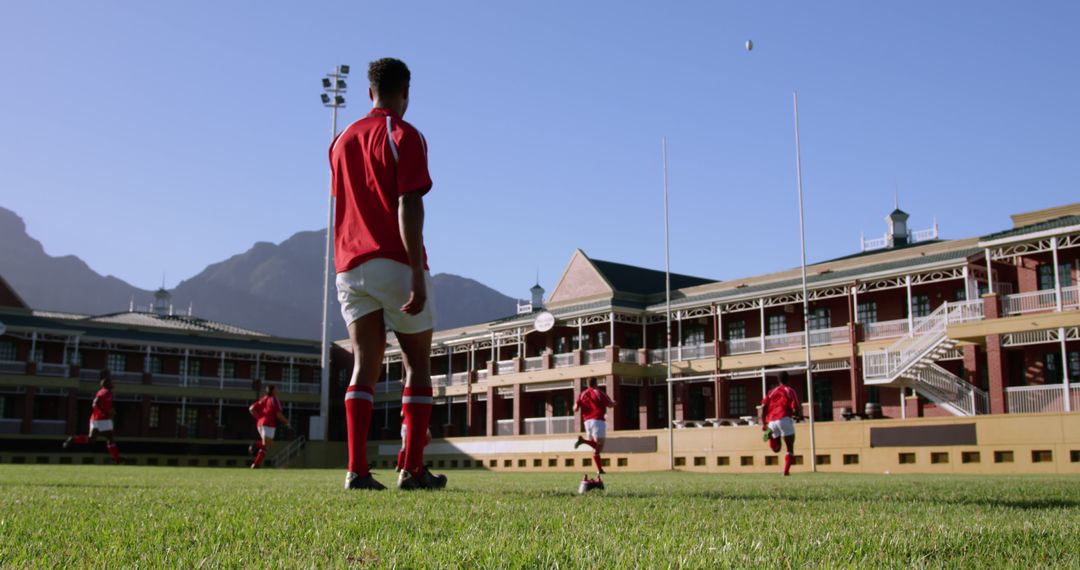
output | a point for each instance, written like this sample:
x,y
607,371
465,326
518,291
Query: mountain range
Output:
x,y
271,288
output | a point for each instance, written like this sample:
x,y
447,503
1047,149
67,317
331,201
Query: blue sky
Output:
x,y
150,136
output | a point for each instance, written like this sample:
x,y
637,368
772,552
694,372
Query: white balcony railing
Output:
x,y
563,360
389,387
167,379
1041,399
552,425
595,355
744,345
1039,301
628,355
506,366
885,329
459,378
504,427
696,351
52,369
440,381
534,363
481,376
12,367
658,355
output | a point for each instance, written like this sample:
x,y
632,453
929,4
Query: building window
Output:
x,y
601,339
155,417
8,351
116,362
823,399
736,330
291,375
867,312
258,371
777,324
1051,368
229,370
960,294
693,336
873,395
820,319
632,340
38,355
737,403
153,365
581,341
560,345
920,305
1046,275
194,367
74,357
1074,366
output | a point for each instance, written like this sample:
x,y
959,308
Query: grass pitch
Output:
x,y
79,516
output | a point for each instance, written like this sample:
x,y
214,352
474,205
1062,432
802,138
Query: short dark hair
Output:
x,y
783,378
592,382
388,76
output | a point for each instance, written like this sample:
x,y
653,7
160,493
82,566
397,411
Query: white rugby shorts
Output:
x,y
267,432
101,425
782,427
383,284
595,429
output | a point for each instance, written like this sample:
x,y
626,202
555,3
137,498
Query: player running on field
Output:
x,y
779,409
379,175
101,419
267,412
593,405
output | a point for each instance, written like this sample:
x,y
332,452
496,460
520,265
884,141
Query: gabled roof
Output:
x,y
642,281
179,322
9,297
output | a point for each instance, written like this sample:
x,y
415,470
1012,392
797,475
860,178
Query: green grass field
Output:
x,y
188,517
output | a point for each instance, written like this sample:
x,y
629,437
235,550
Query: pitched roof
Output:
x,y
641,281
1062,222
179,322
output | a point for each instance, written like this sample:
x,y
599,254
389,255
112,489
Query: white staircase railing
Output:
x,y
949,391
287,453
884,366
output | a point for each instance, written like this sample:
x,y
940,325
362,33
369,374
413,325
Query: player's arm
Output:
x,y
281,417
251,410
411,222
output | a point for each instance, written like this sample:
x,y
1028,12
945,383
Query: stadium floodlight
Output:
x,y
333,87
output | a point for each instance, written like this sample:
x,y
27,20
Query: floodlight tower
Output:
x,y
333,97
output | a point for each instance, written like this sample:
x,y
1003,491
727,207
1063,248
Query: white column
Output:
x,y
221,371
580,340
611,339
967,284
855,294
720,323
903,403
761,318
678,317
1057,273
184,373
989,273
910,309
33,345
78,360
146,360
1064,367
644,332
763,386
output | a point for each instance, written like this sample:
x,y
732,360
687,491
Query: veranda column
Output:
x,y
612,415
519,418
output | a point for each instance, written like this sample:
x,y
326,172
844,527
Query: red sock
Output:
x,y
787,463
416,402
358,401
258,459
80,440
401,459
596,460
114,452
774,444
589,443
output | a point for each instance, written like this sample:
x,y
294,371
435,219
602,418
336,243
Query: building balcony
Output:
x,y
1043,301
1042,399
788,341
552,425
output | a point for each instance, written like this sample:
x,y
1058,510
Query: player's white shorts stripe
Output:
x,y
359,394
417,400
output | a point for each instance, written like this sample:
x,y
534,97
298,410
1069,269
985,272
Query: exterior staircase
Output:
x,y
910,361
286,454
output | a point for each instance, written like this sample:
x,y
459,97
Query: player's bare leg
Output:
x,y
416,402
367,335
789,441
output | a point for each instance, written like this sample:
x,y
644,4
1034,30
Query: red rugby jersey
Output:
x,y
373,162
103,409
593,404
780,402
267,409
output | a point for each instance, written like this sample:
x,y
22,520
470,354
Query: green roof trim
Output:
x,y
641,281
1062,222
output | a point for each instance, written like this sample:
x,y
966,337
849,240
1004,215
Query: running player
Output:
x,y
778,411
267,412
101,419
593,404
379,176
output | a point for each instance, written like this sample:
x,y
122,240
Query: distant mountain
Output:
x,y
270,288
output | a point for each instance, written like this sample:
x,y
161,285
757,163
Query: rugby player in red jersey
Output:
x,y
379,176
593,405
267,412
101,419
779,408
